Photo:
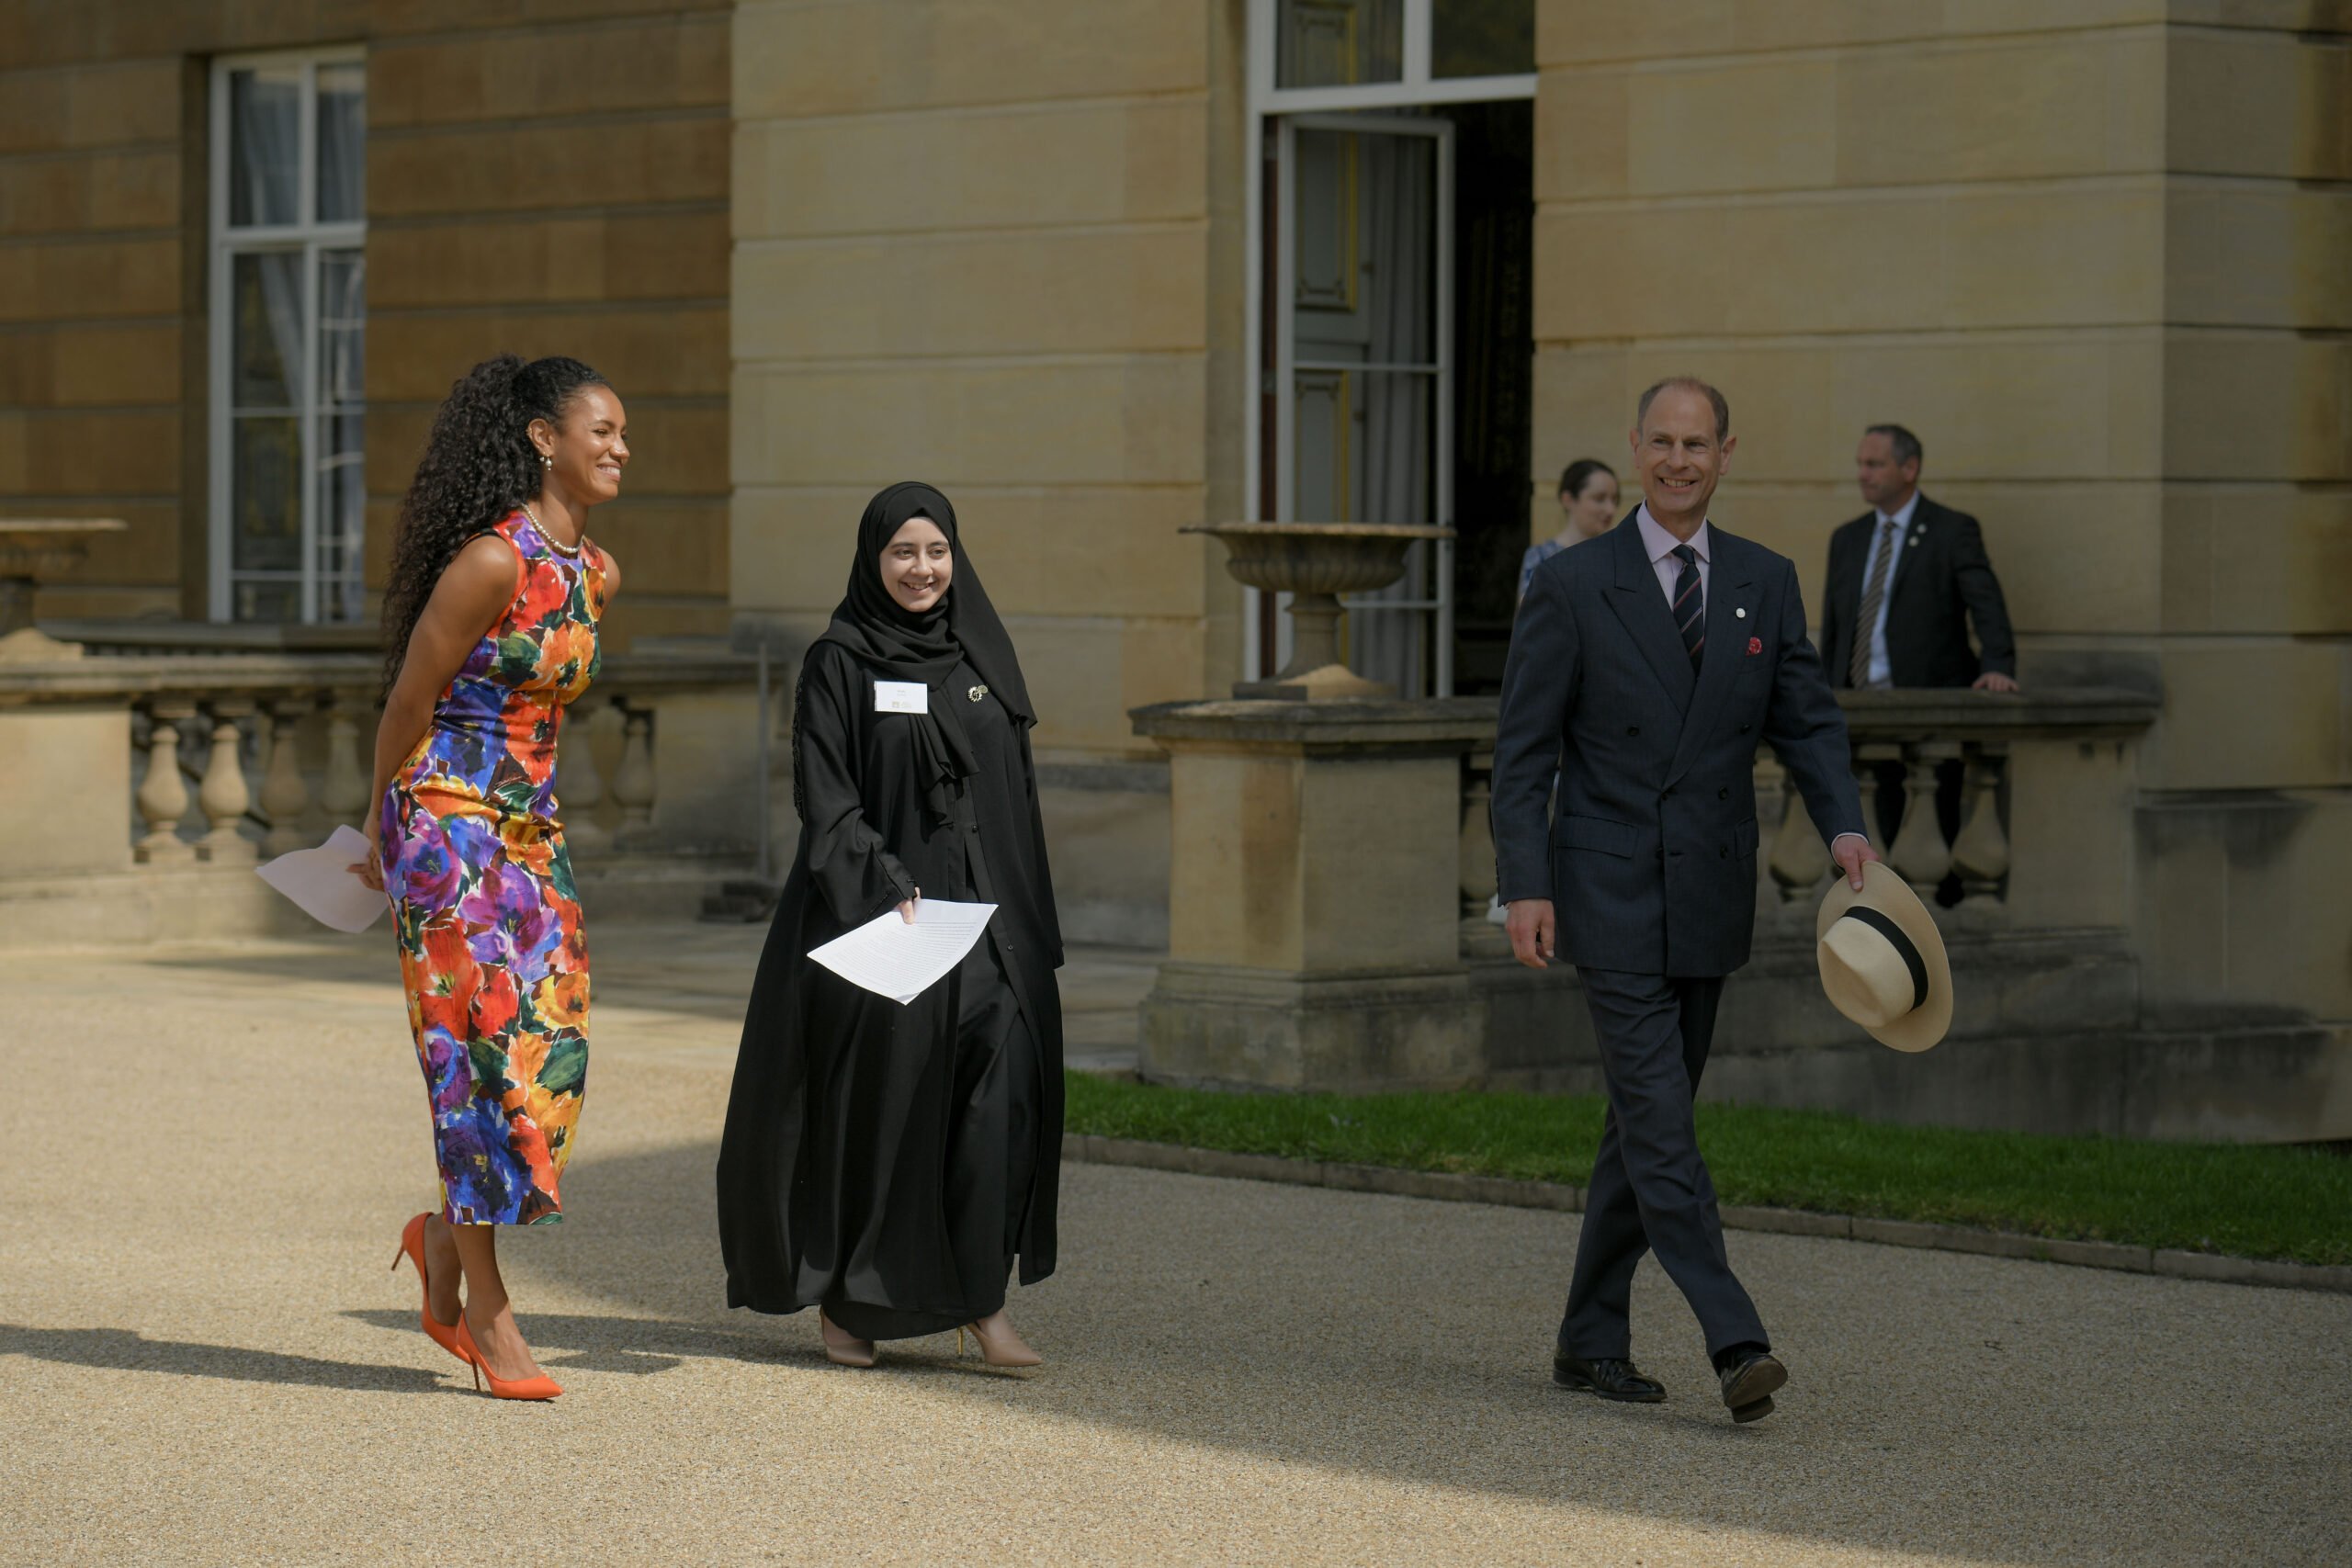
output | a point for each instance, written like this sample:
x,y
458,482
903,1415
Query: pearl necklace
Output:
x,y
559,549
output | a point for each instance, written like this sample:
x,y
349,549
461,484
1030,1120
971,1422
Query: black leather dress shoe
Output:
x,y
1608,1377
1748,1383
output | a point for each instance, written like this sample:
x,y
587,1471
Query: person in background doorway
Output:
x,y
1587,510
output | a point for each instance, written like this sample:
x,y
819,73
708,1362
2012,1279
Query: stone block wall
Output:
x,y
2099,256
559,185
978,242
545,178
1844,214
96,292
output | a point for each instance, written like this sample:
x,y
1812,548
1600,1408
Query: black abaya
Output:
x,y
889,1162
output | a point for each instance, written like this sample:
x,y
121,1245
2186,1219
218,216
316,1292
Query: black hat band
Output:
x,y
1902,944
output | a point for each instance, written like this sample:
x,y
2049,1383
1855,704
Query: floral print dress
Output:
x,y
492,953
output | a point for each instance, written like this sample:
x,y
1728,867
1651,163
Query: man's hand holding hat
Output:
x,y
1852,851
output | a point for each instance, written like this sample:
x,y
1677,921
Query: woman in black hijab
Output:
x,y
884,1162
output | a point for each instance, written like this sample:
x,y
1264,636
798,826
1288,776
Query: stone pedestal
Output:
x,y
65,790
30,549
1314,939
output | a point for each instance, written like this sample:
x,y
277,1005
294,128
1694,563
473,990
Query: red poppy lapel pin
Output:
x,y
1755,645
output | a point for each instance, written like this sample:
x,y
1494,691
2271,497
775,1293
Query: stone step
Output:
x,y
741,898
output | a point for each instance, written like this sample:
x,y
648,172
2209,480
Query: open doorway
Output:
x,y
1494,389
1395,341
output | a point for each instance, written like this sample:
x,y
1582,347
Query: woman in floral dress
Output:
x,y
490,630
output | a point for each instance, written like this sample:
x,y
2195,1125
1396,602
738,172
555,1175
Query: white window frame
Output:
x,y
1268,106
308,237
1438,368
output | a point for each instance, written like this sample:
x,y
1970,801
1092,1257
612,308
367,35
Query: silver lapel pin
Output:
x,y
977,693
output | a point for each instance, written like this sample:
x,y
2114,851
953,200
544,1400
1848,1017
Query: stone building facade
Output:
x,y
540,177
1061,257
2102,256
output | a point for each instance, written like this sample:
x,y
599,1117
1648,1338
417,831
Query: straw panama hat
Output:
x,y
1883,961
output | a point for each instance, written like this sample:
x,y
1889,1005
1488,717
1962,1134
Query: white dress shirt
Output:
x,y
1882,673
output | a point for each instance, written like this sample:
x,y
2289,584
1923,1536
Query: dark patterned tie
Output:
x,y
1858,668
1690,604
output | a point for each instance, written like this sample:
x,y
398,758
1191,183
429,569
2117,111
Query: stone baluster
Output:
x,y
1868,757
163,796
285,794
1981,852
579,787
224,794
1477,841
1919,852
1799,859
342,792
633,781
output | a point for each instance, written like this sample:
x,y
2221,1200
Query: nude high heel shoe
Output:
x,y
1000,1346
842,1348
413,1248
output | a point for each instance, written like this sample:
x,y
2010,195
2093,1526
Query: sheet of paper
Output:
x,y
900,960
320,880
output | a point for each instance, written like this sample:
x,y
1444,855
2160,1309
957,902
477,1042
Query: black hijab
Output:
x,y
901,645
926,647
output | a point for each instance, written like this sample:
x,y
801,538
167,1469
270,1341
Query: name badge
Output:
x,y
901,697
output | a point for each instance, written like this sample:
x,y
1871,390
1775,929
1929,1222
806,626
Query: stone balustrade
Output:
x,y
1906,746
153,753
1315,940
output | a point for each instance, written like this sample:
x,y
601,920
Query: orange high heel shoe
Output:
x,y
540,1387
413,1248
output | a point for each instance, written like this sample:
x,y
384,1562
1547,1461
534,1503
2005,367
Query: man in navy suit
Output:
x,y
1906,581
1648,668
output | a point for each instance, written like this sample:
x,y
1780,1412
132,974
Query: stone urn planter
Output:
x,y
30,549
1315,563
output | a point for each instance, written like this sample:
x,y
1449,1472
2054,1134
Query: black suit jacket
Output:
x,y
1650,858
1942,581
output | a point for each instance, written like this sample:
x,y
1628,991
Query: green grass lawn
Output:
x,y
2292,1203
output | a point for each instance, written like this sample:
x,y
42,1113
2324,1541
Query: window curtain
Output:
x,y
266,134
1400,221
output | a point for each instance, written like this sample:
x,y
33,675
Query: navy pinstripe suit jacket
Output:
x,y
1649,859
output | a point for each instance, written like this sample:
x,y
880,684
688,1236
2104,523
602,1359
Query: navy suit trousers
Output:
x,y
1650,1190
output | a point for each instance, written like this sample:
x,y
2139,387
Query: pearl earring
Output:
x,y
546,462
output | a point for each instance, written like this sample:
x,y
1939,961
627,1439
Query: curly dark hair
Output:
x,y
479,464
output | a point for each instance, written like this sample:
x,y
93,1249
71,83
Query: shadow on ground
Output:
x,y
1982,1408
630,1345
123,1349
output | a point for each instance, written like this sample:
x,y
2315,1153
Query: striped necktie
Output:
x,y
1689,604
1857,667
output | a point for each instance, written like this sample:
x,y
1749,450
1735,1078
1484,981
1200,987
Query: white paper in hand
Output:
x,y
322,881
900,960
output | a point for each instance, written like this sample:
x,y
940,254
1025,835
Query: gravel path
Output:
x,y
207,1157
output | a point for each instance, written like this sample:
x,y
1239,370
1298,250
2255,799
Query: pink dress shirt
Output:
x,y
1660,546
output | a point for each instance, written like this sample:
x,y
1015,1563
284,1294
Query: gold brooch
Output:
x,y
977,693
